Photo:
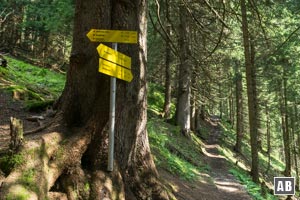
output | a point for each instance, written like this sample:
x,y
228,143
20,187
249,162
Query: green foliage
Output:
x,y
174,152
28,179
252,188
35,105
39,86
8,162
22,195
156,100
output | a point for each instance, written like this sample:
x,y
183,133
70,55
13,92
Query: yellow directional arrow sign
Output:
x,y
114,56
117,36
112,69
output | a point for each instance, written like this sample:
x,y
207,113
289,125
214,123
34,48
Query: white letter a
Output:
x,y
280,186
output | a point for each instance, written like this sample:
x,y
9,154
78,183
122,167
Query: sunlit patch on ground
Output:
x,y
227,185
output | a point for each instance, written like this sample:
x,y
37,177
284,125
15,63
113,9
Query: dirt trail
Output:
x,y
11,108
225,182
219,184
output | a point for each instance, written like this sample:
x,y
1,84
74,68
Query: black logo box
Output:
x,y
284,185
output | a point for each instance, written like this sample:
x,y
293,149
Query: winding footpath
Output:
x,y
218,184
228,187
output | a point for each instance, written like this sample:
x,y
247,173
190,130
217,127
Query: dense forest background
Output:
x,y
238,60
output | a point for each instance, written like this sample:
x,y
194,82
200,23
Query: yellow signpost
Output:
x,y
118,36
116,65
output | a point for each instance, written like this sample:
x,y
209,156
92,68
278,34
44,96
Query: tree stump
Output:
x,y
16,134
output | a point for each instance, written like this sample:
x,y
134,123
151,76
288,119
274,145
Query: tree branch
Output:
x,y
216,14
164,35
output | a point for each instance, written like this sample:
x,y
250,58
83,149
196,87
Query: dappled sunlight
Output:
x,y
227,185
209,150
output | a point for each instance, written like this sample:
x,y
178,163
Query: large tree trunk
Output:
x,y
183,112
85,105
251,92
87,101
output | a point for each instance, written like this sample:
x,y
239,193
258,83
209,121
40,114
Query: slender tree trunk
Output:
x,y
294,143
221,101
285,129
231,106
168,86
268,138
239,109
251,92
183,106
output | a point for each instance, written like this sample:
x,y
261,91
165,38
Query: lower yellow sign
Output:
x,y
114,70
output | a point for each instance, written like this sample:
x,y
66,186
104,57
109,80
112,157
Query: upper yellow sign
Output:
x,y
118,36
114,56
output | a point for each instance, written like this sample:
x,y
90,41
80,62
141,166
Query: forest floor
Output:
x,y
11,108
219,183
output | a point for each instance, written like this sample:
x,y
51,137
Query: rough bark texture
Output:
x,y
251,92
86,100
184,87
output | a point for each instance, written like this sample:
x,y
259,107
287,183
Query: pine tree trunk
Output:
x,y
87,101
285,129
294,143
168,86
251,92
184,88
268,138
239,109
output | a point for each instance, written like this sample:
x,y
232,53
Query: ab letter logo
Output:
x,y
284,185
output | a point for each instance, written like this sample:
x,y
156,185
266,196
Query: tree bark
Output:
x,y
268,138
285,127
183,111
239,109
251,92
168,86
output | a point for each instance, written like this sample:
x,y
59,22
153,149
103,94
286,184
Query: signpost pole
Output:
x,y
112,111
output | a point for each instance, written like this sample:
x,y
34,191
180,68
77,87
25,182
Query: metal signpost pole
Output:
x,y
112,111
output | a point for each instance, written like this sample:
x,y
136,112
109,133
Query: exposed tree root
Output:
x,y
45,159
52,168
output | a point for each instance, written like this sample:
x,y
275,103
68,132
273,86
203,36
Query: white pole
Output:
x,y
112,111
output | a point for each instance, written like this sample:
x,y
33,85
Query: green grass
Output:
x,y
174,152
156,100
252,188
8,162
35,84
